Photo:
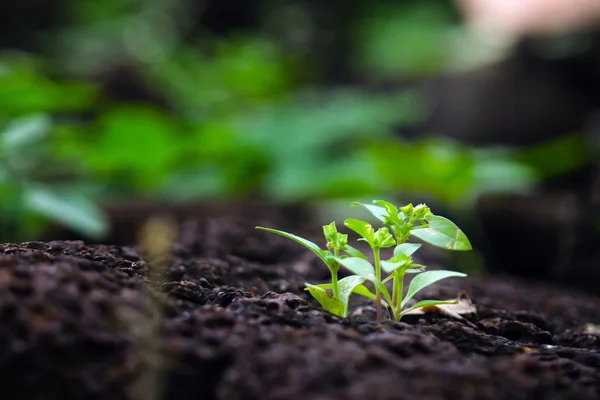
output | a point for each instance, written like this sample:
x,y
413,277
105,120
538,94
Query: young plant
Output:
x,y
399,226
337,303
405,222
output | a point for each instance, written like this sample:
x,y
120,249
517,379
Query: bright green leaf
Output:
x,y
352,252
392,211
442,232
360,289
330,232
383,238
334,239
326,301
358,266
347,287
363,268
363,228
406,248
365,292
425,279
306,243
378,212
390,267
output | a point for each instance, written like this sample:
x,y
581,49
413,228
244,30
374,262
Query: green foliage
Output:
x,y
23,90
449,171
25,202
405,40
203,116
417,221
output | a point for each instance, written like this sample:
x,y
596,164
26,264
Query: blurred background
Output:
x,y
488,110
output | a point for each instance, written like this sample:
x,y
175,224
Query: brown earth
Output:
x,y
226,318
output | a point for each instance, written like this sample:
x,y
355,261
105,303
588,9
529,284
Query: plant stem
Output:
x,y
377,292
394,298
398,286
334,277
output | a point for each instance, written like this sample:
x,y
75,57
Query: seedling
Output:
x,y
336,243
399,226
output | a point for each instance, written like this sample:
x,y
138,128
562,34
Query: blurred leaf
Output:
x,y
194,184
557,156
453,173
23,90
70,209
138,144
404,40
24,132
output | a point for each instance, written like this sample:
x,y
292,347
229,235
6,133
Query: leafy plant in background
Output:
x,y
36,185
26,201
222,116
399,226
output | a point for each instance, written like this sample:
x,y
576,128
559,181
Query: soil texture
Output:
x,y
223,315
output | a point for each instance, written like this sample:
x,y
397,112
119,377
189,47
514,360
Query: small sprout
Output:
x,y
335,241
399,226
383,238
337,302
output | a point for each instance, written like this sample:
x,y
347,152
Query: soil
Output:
x,y
223,316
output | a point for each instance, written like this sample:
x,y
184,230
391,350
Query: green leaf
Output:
x,y
442,232
427,303
378,212
364,268
425,279
383,238
335,240
390,267
347,286
328,302
416,269
392,211
330,232
26,131
406,248
362,290
358,266
352,252
68,208
363,228
306,243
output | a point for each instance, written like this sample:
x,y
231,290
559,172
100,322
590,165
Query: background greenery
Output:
x,y
290,101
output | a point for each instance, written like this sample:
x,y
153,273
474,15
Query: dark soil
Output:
x,y
223,316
